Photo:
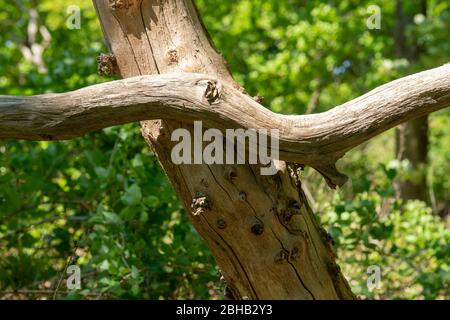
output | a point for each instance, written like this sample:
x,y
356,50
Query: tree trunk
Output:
x,y
412,136
412,144
260,229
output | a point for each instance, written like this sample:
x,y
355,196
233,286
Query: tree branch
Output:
x,y
317,140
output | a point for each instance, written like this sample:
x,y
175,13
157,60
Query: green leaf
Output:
x,y
101,172
135,273
151,201
132,196
112,218
104,265
137,161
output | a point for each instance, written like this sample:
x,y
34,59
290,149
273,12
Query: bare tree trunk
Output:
x,y
260,229
412,136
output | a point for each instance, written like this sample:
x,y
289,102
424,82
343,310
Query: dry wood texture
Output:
x,y
308,139
261,230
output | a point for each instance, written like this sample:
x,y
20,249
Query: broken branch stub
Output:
x,y
317,140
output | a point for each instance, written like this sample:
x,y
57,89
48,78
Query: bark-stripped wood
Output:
x,y
317,139
151,37
261,230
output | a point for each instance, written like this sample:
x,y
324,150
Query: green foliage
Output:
x,y
109,207
102,201
406,241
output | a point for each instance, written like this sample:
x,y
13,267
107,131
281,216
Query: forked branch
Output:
x,y
317,140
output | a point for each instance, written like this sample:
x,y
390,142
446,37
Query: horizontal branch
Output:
x,y
317,139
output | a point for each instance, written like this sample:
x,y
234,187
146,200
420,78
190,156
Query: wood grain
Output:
x,y
316,139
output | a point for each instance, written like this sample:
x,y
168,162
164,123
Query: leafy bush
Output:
x,y
406,241
102,201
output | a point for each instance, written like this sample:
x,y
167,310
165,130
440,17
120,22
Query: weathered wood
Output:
x,y
260,229
289,259
315,140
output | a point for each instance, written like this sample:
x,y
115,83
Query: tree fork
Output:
x,y
316,140
287,257
260,214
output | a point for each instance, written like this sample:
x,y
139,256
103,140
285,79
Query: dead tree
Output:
x,y
260,229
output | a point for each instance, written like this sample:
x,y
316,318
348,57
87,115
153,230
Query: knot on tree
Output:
x,y
221,224
281,256
212,91
106,64
287,256
295,254
258,98
287,213
199,204
293,169
257,228
230,173
120,4
242,196
172,56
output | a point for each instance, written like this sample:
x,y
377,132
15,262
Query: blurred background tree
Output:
x,y
103,203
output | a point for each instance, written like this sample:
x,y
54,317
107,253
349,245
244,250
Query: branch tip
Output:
x,y
332,176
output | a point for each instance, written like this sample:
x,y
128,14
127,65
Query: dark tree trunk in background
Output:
x,y
412,136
